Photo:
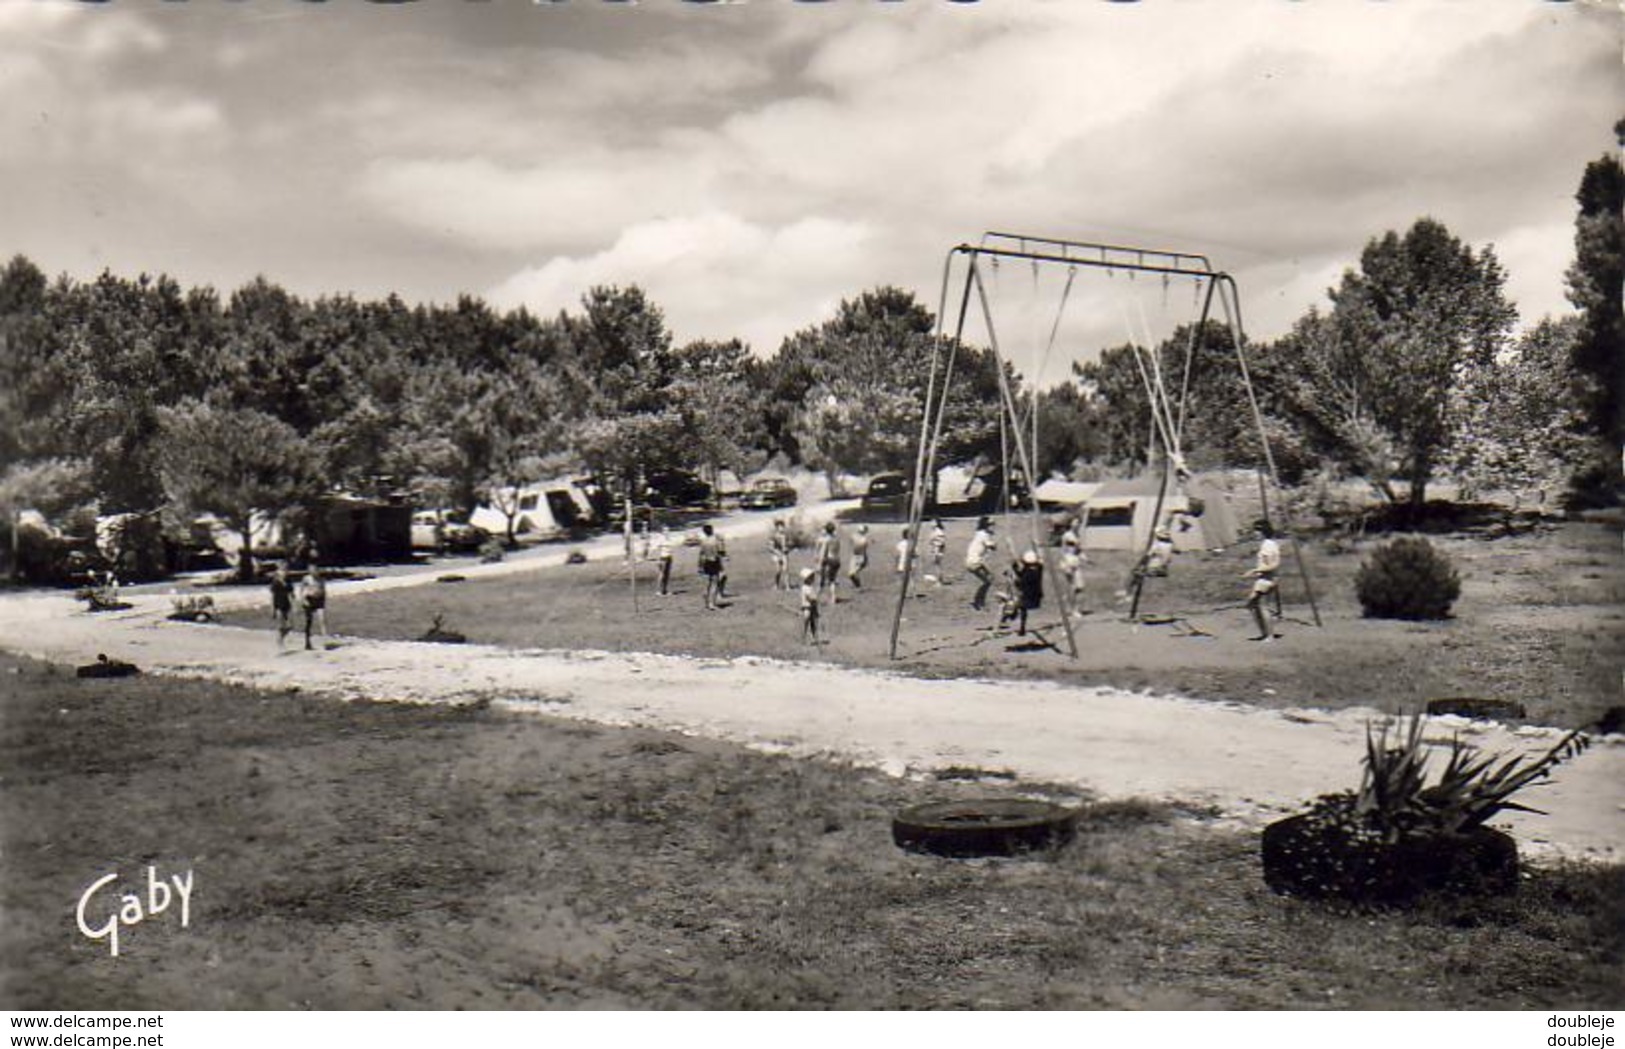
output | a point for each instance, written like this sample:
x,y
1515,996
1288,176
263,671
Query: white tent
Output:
x,y
1120,515
541,511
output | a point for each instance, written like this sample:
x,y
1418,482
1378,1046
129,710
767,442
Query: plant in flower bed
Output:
x,y
1398,837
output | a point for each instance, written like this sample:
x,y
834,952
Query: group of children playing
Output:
x,y
1024,592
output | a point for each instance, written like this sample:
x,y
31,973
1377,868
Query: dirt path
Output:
x,y
1251,764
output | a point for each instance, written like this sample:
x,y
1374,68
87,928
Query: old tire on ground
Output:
x,y
104,667
1303,856
983,827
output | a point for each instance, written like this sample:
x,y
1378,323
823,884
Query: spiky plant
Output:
x,y
1395,800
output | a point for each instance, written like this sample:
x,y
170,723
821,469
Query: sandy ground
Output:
x,y
1250,764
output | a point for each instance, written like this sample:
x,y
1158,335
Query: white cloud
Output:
x,y
582,196
1277,136
716,275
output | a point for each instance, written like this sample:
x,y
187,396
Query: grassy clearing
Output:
x,y
1539,622
372,855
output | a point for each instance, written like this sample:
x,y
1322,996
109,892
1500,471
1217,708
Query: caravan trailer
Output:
x,y
540,512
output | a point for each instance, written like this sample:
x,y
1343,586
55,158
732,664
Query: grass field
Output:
x,y
1541,621
350,855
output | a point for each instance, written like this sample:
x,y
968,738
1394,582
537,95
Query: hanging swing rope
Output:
x,y
1021,451
930,436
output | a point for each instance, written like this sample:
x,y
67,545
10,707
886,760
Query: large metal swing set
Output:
x,y
1168,409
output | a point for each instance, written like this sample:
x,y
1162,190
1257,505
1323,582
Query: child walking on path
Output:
x,y
313,599
282,604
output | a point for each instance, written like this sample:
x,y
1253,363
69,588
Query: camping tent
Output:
x,y
542,511
1118,515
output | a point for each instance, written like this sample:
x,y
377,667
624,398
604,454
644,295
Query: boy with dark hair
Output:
x,y
711,555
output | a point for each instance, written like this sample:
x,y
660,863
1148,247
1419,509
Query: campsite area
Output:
x,y
1539,623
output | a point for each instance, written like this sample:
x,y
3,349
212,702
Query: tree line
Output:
x,y
139,396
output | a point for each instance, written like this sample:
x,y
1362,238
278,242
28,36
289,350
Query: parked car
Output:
x,y
436,530
888,492
768,493
675,488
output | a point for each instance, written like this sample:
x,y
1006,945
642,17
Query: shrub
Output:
x,y
1407,579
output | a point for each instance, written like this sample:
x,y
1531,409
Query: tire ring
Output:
x,y
983,827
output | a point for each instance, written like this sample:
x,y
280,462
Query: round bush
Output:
x,y
1407,579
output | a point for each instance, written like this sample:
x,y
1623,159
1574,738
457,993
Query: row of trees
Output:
x,y
145,397
1415,371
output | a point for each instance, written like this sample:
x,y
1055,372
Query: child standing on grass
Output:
x,y
660,550
939,550
711,555
903,552
1072,562
282,603
827,552
860,556
809,606
1263,575
981,546
778,545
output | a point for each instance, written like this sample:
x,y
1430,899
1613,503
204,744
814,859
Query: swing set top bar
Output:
x,y
1091,253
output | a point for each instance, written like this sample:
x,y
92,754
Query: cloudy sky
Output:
x,y
752,163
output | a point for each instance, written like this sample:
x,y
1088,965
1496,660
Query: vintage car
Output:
x,y
768,493
888,493
436,530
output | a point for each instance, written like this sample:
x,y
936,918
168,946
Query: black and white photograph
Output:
x,y
856,506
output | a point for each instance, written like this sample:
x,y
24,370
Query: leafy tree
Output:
x,y
1069,430
24,397
121,350
713,390
1595,280
1422,312
847,425
850,393
1215,426
617,374
1523,416
233,463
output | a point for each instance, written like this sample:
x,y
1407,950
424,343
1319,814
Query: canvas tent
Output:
x,y
541,511
1120,515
